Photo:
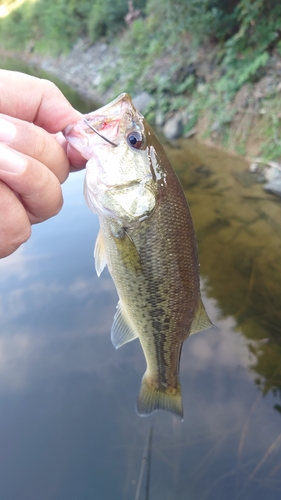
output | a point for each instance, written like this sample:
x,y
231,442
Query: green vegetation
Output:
x,y
54,26
238,36
246,29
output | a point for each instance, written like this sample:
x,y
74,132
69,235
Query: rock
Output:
x,y
143,101
273,178
274,187
269,172
266,170
201,88
274,171
215,127
203,170
97,79
254,167
245,179
173,127
159,118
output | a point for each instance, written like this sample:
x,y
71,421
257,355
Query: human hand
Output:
x,y
33,160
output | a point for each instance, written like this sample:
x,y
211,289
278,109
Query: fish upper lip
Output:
x,y
98,133
122,97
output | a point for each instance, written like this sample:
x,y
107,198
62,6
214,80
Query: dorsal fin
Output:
x,y
99,254
121,331
201,320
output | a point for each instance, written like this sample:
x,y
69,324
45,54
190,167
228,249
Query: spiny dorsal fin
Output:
x,y
121,332
99,254
201,320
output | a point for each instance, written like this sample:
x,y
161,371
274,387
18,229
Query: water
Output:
x,y
68,427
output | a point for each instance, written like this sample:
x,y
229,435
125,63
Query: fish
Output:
x,y
147,240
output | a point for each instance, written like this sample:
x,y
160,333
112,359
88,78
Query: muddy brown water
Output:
x,y
68,427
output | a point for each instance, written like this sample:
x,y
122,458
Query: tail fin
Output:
x,y
151,399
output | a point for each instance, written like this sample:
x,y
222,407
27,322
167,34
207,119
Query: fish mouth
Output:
x,y
100,135
103,127
108,120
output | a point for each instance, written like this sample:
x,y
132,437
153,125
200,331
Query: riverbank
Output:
x,y
210,69
185,96
247,123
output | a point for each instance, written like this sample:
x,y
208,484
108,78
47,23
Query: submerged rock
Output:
x,y
269,172
245,179
274,186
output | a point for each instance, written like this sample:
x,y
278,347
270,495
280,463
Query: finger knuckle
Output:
x,y
15,228
47,151
54,188
49,88
49,200
41,147
57,206
10,245
22,236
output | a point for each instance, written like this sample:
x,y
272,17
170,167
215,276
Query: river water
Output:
x,y
68,427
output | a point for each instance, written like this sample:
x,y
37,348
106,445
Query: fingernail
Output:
x,y
7,130
10,161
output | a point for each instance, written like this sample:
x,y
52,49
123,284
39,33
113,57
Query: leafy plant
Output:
x,y
106,17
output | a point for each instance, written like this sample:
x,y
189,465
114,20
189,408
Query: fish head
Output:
x,y
120,179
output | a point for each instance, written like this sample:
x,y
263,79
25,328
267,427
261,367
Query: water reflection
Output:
x,y
68,429
238,230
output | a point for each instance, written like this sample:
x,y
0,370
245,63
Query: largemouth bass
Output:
x,y
146,239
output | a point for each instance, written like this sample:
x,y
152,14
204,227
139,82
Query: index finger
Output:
x,y
35,100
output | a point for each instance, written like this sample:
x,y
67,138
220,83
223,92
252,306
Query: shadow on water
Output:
x,y
68,429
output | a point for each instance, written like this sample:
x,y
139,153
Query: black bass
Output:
x,y
146,239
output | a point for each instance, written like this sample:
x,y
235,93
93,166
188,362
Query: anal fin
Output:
x,y
121,331
201,320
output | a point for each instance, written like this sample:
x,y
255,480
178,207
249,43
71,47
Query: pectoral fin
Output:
x,y
121,331
201,320
99,254
127,251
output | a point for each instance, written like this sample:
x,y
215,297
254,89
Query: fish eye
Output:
x,y
135,139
